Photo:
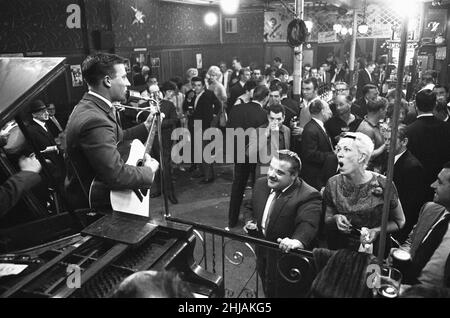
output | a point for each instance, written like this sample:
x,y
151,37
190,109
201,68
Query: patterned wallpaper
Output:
x,y
184,25
95,15
129,34
250,28
38,25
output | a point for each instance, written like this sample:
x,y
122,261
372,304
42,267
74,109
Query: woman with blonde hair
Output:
x,y
354,198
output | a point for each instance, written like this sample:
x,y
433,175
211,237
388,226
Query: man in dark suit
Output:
x,y
364,78
429,241
409,181
319,160
93,133
291,106
53,125
206,107
359,107
250,115
428,138
286,210
44,140
238,89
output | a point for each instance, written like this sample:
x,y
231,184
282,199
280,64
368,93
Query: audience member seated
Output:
x,y
354,198
429,241
341,274
153,284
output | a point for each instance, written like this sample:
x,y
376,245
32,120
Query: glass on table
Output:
x,y
389,282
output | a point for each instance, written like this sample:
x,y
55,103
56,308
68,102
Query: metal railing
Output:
x,y
251,267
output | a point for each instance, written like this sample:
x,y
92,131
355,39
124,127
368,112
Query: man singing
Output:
x,y
93,134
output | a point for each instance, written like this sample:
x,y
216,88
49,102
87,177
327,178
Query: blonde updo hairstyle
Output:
x,y
363,144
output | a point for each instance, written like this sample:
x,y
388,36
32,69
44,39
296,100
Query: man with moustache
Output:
x,y
93,134
286,210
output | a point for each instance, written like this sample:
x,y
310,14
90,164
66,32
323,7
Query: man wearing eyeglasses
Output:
x,y
286,210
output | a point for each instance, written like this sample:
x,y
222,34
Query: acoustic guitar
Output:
x,y
133,201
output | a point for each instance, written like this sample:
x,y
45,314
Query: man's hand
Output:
x,y
250,226
342,223
151,163
153,111
288,244
30,164
297,131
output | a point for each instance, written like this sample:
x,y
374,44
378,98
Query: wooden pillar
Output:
x,y
390,172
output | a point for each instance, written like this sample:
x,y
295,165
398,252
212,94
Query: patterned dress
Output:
x,y
362,204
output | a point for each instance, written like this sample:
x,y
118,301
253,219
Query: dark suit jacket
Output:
x,y
235,91
291,108
11,191
429,141
246,116
359,108
318,159
208,105
409,181
428,216
44,139
296,213
92,139
342,76
363,79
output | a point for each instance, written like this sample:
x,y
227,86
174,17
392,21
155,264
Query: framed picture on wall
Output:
x,y
77,77
155,62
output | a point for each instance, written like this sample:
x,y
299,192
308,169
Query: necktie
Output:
x,y
272,205
429,246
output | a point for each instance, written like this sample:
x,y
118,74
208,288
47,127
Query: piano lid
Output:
x,y
21,79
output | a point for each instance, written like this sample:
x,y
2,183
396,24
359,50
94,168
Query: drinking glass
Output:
x,y
389,282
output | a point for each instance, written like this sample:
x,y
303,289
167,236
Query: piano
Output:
x,y
83,253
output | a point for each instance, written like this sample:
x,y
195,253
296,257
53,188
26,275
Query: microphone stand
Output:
x,y
162,166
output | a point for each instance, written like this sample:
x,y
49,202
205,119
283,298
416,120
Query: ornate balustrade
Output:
x,y
238,259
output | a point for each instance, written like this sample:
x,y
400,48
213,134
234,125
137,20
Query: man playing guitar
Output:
x,y
93,134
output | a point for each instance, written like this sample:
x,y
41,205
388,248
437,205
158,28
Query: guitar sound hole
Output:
x,y
140,163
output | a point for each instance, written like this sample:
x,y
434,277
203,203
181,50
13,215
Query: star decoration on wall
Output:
x,y
138,16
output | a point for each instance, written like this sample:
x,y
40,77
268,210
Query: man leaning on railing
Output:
x,y
286,210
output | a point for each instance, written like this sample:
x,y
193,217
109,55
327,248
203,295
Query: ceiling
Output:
x,y
247,4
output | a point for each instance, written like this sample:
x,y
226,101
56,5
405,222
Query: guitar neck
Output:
x,y
151,135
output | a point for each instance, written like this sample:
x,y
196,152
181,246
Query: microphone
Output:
x,y
135,96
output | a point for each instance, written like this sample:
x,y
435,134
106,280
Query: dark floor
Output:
x,y
203,203
208,204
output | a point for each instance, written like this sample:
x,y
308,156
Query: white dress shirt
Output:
x,y
41,123
267,206
101,97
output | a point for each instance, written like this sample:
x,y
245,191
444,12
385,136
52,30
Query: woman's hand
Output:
x,y
369,236
342,223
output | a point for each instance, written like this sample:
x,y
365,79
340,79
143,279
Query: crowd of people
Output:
x,y
326,177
